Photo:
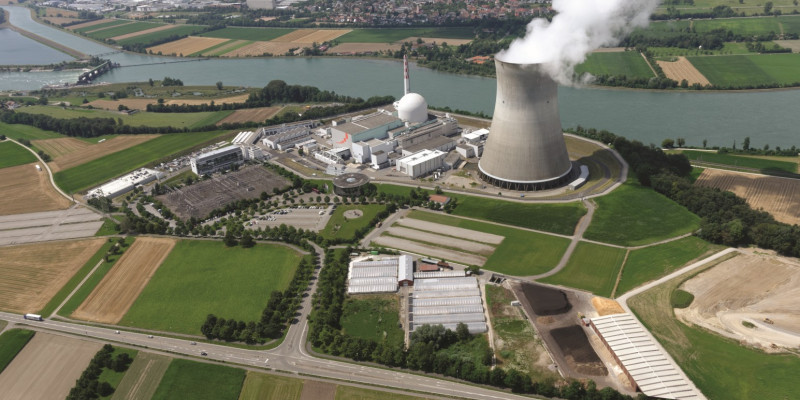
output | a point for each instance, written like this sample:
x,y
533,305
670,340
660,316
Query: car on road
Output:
x,y
203,353
193,343
150,336
117,332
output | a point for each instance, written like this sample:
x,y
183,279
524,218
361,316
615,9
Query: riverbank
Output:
x,y
47,42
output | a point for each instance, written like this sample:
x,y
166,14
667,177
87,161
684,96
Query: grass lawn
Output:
x,y
186,379
743,26
12,154
104,168
341,228
113,377
264,34
270,387
727,48
720,367
556,218
791,24
389,35
177,30
651,263
628,63
763,164
11,342
372,317
19,131
143,376
356,393
201,277
592,267
749,70
633,215
109,228
123,30
521,253
142,118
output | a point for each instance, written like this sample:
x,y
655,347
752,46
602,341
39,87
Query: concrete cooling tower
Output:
x,y
525,149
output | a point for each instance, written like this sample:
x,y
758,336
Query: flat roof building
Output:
x,y
421,163
363,128
217,160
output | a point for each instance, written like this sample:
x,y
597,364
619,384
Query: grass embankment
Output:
x,y
382,35
720,367
521,253
628,63
142,118
104,168
339,227
592,267
373,317
186,379
11,343
763,164
201,277
12,154
241,33
633,215
270,387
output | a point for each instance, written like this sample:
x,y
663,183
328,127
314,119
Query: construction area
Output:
x,y
75,222
448,301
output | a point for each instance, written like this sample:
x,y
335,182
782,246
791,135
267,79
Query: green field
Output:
x,y
390,35
790,24
633,215
178,30
228,49
201,277
186,379
142,118
107,24
104,168
356,393
12,154
19,131
123,30
341,228
143,377
651,263
556,218
746,7
749,70
211,50
259,386
11,343
521,253
742,26
720,367
113,377
763,164
627,63
592,267
264,34
372,317
109,227
727,48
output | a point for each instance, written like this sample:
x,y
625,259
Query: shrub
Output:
x,y
681,299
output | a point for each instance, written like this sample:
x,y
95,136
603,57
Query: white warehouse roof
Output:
x,y
420,157
405,268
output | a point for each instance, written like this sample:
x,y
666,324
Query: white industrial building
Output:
x,y
421,163
447,301
286,139
380,276
442,143
475,136
125,183
246,138
224,158
261,4
362,151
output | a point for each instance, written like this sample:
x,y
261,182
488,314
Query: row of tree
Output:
x,y
88,386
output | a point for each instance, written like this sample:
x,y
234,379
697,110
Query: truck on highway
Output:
x,y
33,317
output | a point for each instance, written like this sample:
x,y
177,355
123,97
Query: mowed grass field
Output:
x,y
102,169
339,227
178,30
628,63
763,164
259,386
186,379
373,317
650,263
11,343
592,267
143,118
375,35
743,26
122,30
521,253
12,154
633,215
264,34
749,70
202,277
556,218
19,131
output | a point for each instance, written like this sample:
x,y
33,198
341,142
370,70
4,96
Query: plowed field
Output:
x,y
319,36
683,69
186,46
251,114
61,146
98,150
260,48
778,196
115,294
229,100
295,36
90,23
31,274
23,189
144,32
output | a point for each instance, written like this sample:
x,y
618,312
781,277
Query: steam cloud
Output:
x,y
579,27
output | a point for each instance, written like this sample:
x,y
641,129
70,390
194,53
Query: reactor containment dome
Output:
x,y
525,150
412,108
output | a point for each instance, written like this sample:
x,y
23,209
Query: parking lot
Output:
x,y
312,218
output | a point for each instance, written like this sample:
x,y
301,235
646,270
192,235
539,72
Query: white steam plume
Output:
x,y
579,27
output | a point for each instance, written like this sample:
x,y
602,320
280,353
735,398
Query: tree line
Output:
x,y
88,386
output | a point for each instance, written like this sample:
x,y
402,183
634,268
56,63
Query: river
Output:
x,y
767,117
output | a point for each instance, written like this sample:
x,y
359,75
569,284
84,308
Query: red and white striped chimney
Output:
x,y
406,81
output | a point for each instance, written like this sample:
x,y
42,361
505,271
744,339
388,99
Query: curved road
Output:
x,y
47,167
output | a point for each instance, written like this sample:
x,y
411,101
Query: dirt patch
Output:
x,y
789,44
359,48
30,275
47,367
448,230
98,150
574,344
115,294
144,32
353,214
682,69
24,189
90,23
55,12
429,250
257,49
186,46
225,100
438,41
778,196
422,236
260,114
61,146
316,390
546,300
606,306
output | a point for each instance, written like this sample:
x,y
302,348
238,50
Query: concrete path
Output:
x,y
47,167
577,237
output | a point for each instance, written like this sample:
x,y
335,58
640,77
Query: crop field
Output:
x,y
19,131
628,63
344,227
374,35
260,114
104,168
682,69
778,196
88,153
762,164
260,34
142,378
727,48
259,386
742,26
373,317
186,379
61,146
88,24
522,253
12,154
357,393
98,24
556,218
790,24
47,367
309,36
144,32
186,46
31,274
112,298
592,267
204,277
633,215
650,263
364,47
226,47
177,30
12,342
256,49
121,30
178,120
749,70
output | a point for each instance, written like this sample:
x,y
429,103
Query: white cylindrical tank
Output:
x,y
412,108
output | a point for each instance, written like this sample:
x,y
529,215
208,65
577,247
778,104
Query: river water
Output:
x,y
767,117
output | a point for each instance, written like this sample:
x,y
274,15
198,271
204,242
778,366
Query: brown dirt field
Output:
x,y
109,27
683,69
31,274
251,114
47,367
144,32
609,50
294,36
364,47
316,390
778,196
59,20
52,12
115,294
450,42
225,48
26,190
98,150
259,48
186,46
90,23
606,306
319,36
61,146
789,44
230,100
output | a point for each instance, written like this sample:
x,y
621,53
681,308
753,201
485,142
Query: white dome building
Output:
x,y
412,108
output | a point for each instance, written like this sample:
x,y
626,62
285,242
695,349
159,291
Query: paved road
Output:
x,y
47,167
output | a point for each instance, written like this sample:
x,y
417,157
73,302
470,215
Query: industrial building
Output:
x,y
441,143
447,301
349,184
246,138
125,183
363,128
261,4
287,139
276,129
421,163
380,276
217,160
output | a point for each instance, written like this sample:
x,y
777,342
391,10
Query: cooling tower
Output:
x,y
525,149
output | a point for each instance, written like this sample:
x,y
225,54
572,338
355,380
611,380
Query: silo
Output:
x,y
525,149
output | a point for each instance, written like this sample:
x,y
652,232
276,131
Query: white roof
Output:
x,y
421,157
475,134
651,368
405,268
213,153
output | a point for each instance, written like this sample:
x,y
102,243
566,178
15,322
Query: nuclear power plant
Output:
x,y
525,150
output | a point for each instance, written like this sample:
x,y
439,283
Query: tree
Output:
x,y
105,389
681,142
746,144
219,85
150,81
767,7
229,239
247,240
705,142
668,143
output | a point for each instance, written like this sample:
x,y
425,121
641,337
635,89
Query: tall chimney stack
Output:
x,y
406,80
